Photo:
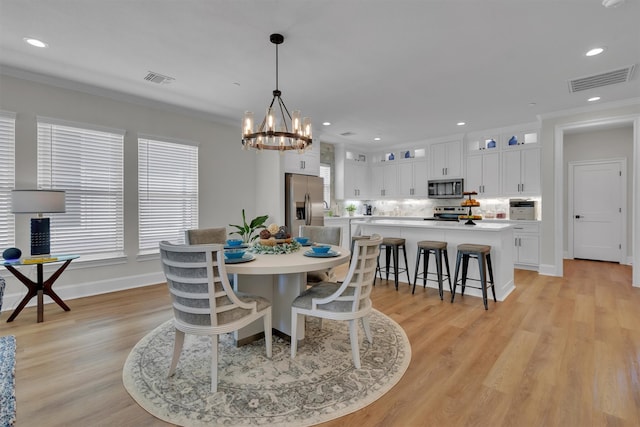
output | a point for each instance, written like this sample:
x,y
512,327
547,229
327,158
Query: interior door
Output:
x,y
597,211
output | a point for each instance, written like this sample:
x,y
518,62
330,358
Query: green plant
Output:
x,y
351,208
246,231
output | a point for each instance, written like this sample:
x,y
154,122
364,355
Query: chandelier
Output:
x,y
290,132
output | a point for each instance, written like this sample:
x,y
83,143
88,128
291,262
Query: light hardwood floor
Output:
x,y
557,352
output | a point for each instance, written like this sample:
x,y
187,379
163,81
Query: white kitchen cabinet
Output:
x,y
483,174
521,172
526,252
307,163
356,180
412,179
384,180
446,159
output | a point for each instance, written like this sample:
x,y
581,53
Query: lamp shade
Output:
x,y
37,201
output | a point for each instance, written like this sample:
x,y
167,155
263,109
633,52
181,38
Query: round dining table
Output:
x,y
280,278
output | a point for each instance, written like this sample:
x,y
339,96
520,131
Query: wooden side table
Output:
x,y
40,287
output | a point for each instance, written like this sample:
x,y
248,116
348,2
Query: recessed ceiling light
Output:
x,y
594,98
461,123
326,123
377,138
612,3
595,51
35,42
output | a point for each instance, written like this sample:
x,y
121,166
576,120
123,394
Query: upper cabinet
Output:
x,y
484,142
352,170
446,159
356,180
521,172
483,174
412,178
307,163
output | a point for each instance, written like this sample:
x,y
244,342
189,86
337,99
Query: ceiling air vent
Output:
x,y
621,75
158,78
347,134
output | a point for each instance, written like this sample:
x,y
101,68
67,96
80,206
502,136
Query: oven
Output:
x,y
447,213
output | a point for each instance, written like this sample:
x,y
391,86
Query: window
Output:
x,y
325,173
87,162
167,192
7,177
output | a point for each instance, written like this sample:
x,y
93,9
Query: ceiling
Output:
x,y
401,70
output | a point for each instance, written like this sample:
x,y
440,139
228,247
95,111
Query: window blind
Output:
x,y
167,192
7,177
87,163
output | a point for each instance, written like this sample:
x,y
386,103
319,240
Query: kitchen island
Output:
x,y
498,235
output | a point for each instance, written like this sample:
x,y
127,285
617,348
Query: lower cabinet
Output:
x,y
526,252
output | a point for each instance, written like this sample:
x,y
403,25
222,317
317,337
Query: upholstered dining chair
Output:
x,y
203,236
348,301
321,234
203,300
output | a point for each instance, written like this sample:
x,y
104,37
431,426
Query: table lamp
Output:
x,y
38,202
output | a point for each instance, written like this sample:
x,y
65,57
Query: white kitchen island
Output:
x,y
498,236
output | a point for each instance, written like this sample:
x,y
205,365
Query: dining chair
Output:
x,y
203,300
321,234
348,301
203,236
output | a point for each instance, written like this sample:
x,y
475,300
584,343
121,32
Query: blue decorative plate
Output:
x,y
245,258
329,254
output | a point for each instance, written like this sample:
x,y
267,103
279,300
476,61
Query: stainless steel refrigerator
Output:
x,y
303,201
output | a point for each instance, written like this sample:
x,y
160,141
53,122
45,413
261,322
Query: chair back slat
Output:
x,y
198,283
354,293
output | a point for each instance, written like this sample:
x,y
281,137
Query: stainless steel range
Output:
x,y
447,213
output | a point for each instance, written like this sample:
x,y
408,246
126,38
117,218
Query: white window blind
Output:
x,y
167,192
325,174
7,177
86,162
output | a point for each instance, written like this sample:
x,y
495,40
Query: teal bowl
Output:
x,y
320,249
234,242
301,240
234,253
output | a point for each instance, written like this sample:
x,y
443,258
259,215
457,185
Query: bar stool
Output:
x,y
392,246
483,254
439,250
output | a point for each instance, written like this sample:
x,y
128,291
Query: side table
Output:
x,y
40,287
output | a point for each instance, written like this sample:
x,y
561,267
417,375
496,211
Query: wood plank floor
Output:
x,y
557,352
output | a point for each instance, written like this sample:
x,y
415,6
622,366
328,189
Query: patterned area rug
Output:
x,y
320,384
7,380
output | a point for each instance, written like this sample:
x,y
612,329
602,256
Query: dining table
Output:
x,y
280,278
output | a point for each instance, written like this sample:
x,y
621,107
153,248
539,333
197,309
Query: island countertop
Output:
x,y
495,234
440,225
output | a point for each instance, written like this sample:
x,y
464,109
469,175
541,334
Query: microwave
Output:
x,y
445,188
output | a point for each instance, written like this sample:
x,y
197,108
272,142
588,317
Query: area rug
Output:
x,y
319,385
7,380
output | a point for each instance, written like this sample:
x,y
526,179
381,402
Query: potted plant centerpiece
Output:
x,y
248,231
351,209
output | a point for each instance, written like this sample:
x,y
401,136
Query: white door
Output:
x,y
597,210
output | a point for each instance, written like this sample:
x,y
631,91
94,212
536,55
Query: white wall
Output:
x,y
599,145
227,175
552,138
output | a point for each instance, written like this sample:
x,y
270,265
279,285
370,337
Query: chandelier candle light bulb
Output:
x,y
274,133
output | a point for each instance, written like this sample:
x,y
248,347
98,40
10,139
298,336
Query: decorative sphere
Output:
x,y
11,254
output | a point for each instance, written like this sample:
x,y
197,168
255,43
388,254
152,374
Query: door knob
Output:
x,y
578,216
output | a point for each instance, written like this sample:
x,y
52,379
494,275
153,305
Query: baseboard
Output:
x,y
548,270
70,292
